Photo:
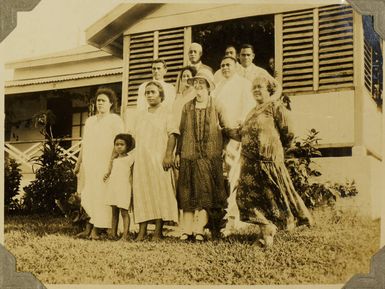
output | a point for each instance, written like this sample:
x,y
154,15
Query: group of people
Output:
x,y
213,142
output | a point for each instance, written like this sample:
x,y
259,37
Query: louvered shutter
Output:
x,y
368,56
335,46
297,37
317,55
170,49
140,60
144,48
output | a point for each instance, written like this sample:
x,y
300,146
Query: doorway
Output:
x,y
257,31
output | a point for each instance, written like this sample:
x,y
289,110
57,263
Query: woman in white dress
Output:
x,y
153,187
95,157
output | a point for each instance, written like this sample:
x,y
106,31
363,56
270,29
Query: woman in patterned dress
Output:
x,y
266,195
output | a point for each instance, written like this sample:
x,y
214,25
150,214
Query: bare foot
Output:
x,y
86,233
157,237
125,238
268,233
83,235
94,234
140,238
112,237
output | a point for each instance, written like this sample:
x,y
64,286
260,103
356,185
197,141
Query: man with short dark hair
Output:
x,y
250,71
233,94
229,51
159,70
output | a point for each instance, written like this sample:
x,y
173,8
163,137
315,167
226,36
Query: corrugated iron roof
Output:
x,y
61,78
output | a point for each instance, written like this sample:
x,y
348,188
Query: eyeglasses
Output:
x,y
199,81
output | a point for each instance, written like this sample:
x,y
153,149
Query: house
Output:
x,y
328,61
62,82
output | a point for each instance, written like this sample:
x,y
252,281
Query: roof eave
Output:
x,y
104,33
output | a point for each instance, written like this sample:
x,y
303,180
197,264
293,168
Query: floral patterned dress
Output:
x,y
265,191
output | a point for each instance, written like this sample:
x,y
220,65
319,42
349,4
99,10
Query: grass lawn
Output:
x,y
337,247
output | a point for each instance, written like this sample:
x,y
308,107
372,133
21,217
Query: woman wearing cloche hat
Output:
x,y
200,187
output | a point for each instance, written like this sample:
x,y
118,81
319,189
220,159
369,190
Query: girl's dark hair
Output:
x,y
159,86
110,94
128,139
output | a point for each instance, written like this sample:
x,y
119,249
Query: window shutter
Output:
x,y
141,57
335,46
329,39
171,50
297,51
373,61
144,48
368,65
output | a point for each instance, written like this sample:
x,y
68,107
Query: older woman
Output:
x,y
95,156
266,195
200,188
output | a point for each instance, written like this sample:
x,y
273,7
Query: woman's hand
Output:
x,y
177,162
168,162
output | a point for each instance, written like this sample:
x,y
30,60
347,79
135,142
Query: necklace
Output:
x,y
200,126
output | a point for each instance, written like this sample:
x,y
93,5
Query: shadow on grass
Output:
x,y
40,225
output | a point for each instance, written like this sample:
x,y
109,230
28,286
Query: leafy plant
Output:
x,y
12,178
55,179
298,163
298,160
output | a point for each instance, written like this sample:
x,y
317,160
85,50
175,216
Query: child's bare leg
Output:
x,y
158,229
87,231
115,220
126,223
142,231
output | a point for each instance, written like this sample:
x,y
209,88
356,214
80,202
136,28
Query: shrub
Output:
x,y
12,178
319,194
55,180
298,163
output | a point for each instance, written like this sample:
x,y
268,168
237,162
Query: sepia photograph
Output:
x,y
247,139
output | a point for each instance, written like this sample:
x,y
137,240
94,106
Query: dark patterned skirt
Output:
x,y
266,195
201,184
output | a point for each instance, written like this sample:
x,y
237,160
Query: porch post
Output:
x,y
126,64
278,53
359,86
186,44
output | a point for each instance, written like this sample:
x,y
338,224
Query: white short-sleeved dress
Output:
x,y
97,147
119,187
153,188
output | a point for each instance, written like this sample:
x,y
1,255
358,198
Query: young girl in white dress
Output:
x,y
119,183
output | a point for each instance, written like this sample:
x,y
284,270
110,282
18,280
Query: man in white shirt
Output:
x,y
230,51
233,94
195,54
234,100
159,70
250,71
